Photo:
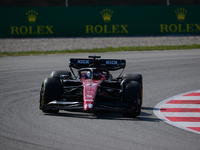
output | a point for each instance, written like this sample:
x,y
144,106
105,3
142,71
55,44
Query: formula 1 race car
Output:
x,y
93,88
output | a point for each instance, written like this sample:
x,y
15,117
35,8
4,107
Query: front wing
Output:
x,y
69,105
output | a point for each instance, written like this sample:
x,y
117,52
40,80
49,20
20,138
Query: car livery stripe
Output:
x,y
182,111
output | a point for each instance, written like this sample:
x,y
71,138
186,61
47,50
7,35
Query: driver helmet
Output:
x,y
88,74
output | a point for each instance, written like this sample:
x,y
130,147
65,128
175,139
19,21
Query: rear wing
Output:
x,y
108,64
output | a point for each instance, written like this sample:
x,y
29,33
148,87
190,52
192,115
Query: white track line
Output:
x,y
180,114
181,106
187,98
188,124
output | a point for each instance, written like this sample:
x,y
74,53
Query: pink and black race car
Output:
x,y
93,88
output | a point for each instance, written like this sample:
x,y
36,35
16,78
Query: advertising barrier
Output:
x,y
100,21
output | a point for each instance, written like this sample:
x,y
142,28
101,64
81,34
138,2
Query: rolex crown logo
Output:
x,y
31,15
106,14
181,13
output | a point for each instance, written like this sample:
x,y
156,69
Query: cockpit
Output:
x,y
93,73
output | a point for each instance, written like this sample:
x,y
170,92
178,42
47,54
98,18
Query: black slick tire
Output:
x,y
132,96
50,90
133,77
55,74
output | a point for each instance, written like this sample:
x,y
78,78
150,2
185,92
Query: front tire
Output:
x,y
50,90
132,96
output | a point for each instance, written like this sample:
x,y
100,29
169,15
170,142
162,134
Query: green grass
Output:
x,y
102,50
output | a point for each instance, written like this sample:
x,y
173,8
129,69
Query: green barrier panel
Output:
x,y
99,21
172,20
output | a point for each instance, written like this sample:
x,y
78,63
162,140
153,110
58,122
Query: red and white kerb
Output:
x,y
182,111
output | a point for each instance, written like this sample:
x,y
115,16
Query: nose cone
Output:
x,y
89,93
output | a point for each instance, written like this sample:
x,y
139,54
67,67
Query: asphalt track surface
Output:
x,y
24,126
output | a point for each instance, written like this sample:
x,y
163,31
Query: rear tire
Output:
x,y
50,90
55,74
132,96
135,77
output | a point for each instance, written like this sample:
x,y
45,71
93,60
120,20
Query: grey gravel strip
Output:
x,y
49,44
